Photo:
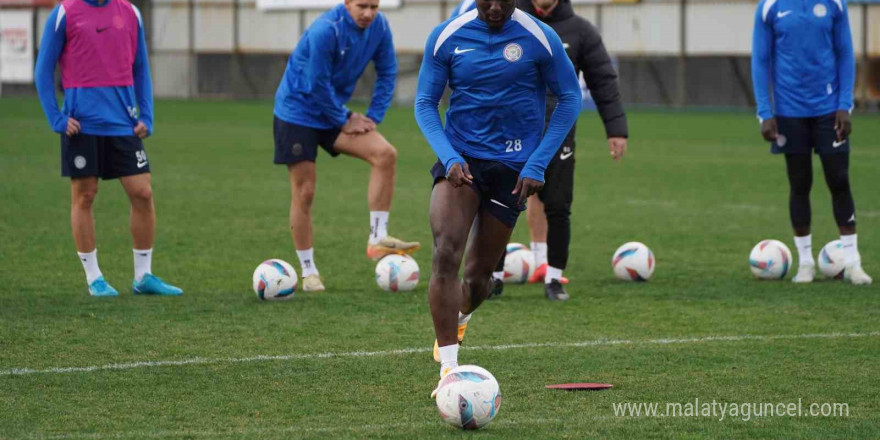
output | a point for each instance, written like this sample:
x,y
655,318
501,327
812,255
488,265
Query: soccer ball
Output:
x,y
633,262
515,247
468,397
274,280
831,260
397,273
519,265
770,260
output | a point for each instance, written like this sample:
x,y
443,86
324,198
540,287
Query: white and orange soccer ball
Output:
x,y
770,260
519,265
274,280
633,262
515,247
468,397
831,260
397,273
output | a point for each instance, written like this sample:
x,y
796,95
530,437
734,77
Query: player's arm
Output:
x,y
762,54
846,72
433,76
322,46
51,46
562,81
143,83
386,71
601,79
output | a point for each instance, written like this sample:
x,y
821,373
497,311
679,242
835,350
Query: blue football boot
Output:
x,y
99,287
152,285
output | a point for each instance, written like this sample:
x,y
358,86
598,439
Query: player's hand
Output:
x,y
526,187
140,130
617,147
769,130
842,125
73,127
358,124
459,175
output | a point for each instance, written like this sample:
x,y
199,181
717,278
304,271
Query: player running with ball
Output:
x,y
499,62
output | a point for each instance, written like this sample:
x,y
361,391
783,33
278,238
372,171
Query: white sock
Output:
x,y
378,226
850,250
307,262
463,319
804,247
539,249
498,275
552,274
448,357
90,264
143,262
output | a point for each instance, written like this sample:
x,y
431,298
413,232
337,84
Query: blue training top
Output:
x,y
101,111
499,80
327,63
806,48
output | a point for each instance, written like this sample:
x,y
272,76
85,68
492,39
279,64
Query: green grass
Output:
x,y
699,188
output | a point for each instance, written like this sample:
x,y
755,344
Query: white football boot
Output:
x,y
856,275
806,273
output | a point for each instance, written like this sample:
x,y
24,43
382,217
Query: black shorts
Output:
x,y
107,157
493,182
559,179
805,135
296,143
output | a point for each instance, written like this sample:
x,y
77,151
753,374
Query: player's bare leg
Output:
x,y
537,220
302,177
487,244
142,221
83,191
374,149
452,214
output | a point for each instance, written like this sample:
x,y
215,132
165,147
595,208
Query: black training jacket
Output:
x,y
584,47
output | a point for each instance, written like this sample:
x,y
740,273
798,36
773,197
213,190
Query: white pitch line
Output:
x,y
403,351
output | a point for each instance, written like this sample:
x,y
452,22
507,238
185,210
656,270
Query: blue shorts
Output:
x,y
805,135
296,143
494,182
107,157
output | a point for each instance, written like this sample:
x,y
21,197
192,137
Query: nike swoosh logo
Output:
x,y
99,30
499,203
564,156
782,14
836,144
458,51
141,164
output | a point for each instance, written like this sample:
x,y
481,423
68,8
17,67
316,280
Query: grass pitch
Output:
x,y
699,188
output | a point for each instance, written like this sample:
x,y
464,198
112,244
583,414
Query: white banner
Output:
x,y
315,4
17,46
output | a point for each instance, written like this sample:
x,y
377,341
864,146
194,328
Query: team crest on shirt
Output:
x,y
513,52
820,10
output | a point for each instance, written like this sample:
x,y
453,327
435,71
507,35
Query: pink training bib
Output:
x,y
101,44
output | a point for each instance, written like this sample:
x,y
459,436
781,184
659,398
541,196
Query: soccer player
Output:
x,y
310,111
549,211
805,51
498,61
107,112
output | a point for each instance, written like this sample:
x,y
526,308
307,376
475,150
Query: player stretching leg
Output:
x,y
310,111
807,54
107,112
498,61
